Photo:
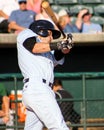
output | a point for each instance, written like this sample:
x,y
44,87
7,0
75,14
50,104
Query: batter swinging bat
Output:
x,y
46,6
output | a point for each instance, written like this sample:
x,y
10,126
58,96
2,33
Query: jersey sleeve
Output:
x,y
25,34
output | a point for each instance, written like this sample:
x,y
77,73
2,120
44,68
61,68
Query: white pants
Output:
x,y
42,108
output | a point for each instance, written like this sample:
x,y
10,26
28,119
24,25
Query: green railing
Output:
x,y
83,103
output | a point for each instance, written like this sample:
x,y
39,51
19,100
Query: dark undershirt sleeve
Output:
x,y
29,43
58,55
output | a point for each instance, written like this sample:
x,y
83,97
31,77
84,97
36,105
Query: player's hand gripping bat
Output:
x,y
46,6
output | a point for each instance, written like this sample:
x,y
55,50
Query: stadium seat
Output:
x,y
51,1
99,9
56,8
91,1
76,8
98,19
102,1
67,1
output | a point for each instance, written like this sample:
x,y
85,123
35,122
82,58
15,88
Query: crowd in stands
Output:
x,y
34,5
84,23
6,7
65,22
21,18
17,15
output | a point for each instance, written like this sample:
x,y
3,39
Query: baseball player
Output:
x,y
37,56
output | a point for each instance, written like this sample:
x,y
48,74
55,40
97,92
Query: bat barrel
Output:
x,y
46,6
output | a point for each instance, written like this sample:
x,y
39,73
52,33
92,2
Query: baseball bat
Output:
x,y
46,6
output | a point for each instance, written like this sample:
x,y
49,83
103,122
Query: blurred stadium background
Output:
x,y
82,74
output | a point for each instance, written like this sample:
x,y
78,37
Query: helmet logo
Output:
x,y
43,33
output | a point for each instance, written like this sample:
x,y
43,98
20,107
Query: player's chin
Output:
x,y
65,51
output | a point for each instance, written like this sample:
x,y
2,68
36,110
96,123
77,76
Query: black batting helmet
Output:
x,y
41,28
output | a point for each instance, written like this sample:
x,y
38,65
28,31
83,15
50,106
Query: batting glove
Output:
x,y
66,44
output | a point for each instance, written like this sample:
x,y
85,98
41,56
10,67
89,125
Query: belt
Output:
x,y
43,80
26,80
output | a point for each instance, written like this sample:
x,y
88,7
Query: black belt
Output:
x,y
26,80
44,81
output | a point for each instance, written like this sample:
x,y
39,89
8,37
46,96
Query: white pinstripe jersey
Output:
x,y
35,65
